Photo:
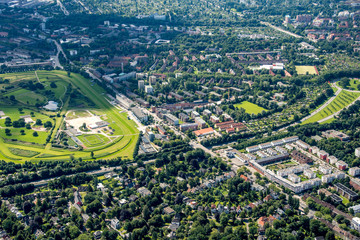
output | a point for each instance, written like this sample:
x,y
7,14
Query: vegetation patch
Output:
x,y
23,152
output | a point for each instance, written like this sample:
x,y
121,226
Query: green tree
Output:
x,y
35,134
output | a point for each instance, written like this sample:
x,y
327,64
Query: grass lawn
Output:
x,y
328,121
249,107
93,140
27,97
341,101
303,70
345,200
27,137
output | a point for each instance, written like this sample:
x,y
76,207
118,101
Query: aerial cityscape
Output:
x,y
184,119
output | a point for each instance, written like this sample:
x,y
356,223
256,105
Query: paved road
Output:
x,y
62,7
281,30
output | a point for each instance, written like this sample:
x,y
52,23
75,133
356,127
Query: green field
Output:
x,y
304,70
341,101
124,132
249,107
93,140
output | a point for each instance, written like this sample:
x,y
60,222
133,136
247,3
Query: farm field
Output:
x,y
20,146
249,107
344,99
303,70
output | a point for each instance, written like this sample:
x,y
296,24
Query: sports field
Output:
x,y
344,99
249,107
19,147
93,140
303,70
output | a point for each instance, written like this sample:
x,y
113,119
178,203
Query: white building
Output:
x,y
314,150
309,174
294,178
331,177
332,159
302,144
355,208
141,84
341,165
357,152
149,89
295,169
355,223
325,169
354,171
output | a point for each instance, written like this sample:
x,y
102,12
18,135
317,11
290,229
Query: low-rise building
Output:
x,y
354,171
355,223
204,132
345,191
200,122
302,144
355,208
171,119
309,174
195,114
357,152
325,169
332,159
294,178
188,126
139,114
341,165
214,119
322,155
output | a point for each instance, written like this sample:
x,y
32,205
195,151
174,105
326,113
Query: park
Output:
x,y
55,115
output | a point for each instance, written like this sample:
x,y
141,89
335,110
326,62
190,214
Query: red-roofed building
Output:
x,y
267,198
263,220
246,179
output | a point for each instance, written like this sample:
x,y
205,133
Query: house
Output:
x,y
115,223
97,234
267,198
169,210
263,220
144,191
